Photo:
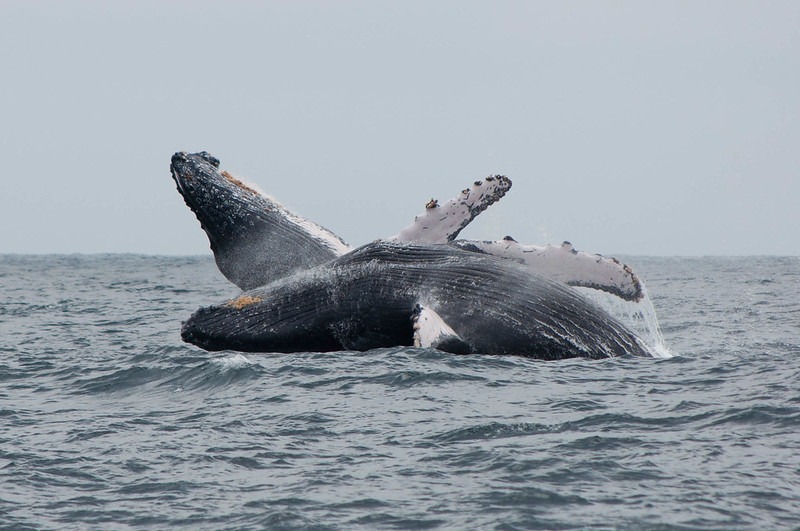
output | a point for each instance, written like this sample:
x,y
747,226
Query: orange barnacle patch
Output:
x,y
237,182
243,301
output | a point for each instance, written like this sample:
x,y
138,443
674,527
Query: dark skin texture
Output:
x,y
367,299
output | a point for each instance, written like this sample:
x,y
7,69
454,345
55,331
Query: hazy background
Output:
x,y
660,128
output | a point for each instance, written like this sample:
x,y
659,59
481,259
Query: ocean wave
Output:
x,y
109,420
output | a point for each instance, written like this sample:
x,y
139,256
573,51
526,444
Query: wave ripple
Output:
x,y
108,420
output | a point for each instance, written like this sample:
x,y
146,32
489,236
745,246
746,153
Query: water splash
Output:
x,y
237,361
638,316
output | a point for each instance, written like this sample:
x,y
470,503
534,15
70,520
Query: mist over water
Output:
x,y
108,419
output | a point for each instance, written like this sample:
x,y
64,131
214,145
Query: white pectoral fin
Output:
x,y
430,331
601,273
564,264
442,223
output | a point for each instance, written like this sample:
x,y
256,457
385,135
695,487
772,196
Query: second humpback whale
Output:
x,y
308,290
256,240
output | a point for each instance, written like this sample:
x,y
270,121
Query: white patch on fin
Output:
x,y
316,232
430,331
442,223
564,264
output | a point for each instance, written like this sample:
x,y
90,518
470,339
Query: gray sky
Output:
x,y
656,128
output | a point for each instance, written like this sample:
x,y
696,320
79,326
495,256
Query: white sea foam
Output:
x,y
237,361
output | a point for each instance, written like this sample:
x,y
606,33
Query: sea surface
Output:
x,y
109,421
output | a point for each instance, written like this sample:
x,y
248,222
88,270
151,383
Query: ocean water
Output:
x,y
107,420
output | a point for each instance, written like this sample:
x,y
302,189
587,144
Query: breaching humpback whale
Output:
x,y
433,295
308,290
256,240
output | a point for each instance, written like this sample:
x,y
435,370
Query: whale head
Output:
x,y
202,184
254,238
227,209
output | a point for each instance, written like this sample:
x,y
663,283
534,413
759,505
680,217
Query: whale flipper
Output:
x,y
430,331
255,239
565,264
442,223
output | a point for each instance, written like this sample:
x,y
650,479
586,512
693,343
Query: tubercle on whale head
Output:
x,y
203,188
199,179
185,167
203,168
186,164
208,157
181,159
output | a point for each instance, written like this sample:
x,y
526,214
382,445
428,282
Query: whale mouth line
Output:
x,y
178,160
177,179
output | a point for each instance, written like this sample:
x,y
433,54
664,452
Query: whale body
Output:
x,y
388,294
